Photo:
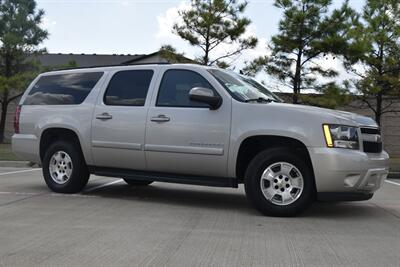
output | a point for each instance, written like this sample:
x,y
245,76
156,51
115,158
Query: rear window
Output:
x,y
128,88
62,89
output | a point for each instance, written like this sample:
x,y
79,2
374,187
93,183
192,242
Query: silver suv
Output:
x,y
195,125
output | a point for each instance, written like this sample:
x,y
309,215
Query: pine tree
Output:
x,y
209,24
308,32
375,57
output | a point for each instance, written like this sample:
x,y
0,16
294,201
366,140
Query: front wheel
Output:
x,y
279,182
64,168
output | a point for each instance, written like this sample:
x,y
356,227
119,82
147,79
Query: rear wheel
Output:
x,y
64,168
279,182
132,182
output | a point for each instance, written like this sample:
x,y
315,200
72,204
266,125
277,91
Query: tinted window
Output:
x,y
62,89
175,87
128,88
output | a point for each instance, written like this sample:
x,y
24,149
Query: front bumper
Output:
x,y
350,173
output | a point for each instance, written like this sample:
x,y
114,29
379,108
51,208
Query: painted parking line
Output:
x,y
21,171
18,193
102,185
391,182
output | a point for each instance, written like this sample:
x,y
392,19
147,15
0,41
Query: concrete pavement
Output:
x,y
112,224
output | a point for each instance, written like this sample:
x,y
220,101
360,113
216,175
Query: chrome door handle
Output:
x,y
160,118
104,116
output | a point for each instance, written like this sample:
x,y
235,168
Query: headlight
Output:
x,y
341,136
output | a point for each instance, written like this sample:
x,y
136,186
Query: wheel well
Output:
x,y
51,135
251,146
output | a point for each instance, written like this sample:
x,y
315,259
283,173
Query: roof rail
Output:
x,y
116,65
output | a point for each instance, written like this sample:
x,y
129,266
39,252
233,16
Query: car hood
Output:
x,y
332,116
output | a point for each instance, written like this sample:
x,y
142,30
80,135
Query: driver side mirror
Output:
x,y
205,95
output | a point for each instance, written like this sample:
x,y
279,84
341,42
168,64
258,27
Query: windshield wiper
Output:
x,y
259,100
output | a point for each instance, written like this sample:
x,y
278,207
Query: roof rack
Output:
x,y
116,65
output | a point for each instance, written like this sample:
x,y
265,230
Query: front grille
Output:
x,y
370,131
372,147
372,141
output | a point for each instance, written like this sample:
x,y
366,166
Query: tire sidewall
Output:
x,y
253,177
79,175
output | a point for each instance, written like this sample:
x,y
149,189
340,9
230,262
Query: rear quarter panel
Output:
x,y
35,119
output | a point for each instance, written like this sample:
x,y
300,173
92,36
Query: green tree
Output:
x,y
308,32
209,24
20,35
173,56
375,57
332,96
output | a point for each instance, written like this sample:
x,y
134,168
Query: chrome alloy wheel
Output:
x,y
282,183
60,167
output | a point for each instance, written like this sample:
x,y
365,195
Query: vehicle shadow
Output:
x,y
227,199
342,210
200,197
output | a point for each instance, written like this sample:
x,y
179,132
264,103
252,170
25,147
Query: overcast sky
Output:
x,y
140,26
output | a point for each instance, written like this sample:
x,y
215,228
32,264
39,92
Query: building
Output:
x,y
53,60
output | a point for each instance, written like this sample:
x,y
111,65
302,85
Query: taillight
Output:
x,y
16,119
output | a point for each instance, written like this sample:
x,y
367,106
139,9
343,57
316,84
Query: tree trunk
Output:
x,y
206,57
295,98
378,112
4,107
4,103
296,80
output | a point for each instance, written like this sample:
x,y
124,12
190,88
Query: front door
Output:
x,y
183,136
119,121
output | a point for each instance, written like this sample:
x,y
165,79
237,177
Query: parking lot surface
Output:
x,y
113,224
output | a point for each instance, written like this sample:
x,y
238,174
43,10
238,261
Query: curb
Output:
x,y
17,164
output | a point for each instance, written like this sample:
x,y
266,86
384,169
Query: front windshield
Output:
x,y
243,88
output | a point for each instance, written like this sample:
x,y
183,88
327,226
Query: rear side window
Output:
x,y
128,88
62,89
175,87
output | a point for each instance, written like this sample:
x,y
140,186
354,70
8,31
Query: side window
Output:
x,y
62,89
175,87
128,88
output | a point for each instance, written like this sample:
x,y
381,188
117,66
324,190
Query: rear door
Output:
x,y
118,126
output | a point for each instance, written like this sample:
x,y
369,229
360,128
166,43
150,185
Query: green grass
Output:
x,y
6,153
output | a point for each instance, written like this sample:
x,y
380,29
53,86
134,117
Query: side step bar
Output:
x,y
165,177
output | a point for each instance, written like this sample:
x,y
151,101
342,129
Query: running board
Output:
x,y
165,177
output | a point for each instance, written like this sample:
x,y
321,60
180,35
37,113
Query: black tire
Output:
x,y
255,170
133,182
80,173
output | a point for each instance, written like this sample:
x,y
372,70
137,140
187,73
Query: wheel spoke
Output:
x,y
57,157
286,197
269,192
286,168
68,172
296,182
268,175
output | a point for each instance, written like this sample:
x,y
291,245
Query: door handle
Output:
x,y
160,118
104,116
